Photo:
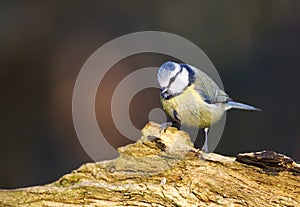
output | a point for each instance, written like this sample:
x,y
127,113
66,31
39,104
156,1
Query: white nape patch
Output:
x,y
180,83
165,74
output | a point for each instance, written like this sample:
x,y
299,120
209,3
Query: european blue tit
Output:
x,y
191,98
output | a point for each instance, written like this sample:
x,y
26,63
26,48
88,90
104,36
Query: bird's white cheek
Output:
x,y
176,88
179,84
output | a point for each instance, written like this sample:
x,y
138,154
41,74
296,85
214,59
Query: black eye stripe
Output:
x,y
173,78
191,79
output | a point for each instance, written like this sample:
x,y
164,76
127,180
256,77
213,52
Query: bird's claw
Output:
x,y
164,126
205,148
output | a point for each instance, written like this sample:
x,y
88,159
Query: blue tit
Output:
x,y
191,98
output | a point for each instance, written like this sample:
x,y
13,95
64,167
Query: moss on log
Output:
x,y
164,169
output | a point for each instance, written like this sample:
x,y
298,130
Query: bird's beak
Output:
x,y
164,92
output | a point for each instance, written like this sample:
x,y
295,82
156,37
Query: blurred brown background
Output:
x,y
253,44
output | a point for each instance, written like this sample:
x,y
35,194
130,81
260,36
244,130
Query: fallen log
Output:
x,y
164,169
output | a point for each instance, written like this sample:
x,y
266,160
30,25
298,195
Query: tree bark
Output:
x,y
164,169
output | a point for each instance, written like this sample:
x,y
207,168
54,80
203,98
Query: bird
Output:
x,y
191,98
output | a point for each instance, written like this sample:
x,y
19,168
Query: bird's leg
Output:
x,y
165,125
205,146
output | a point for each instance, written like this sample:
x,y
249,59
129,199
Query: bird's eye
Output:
x,y
172,80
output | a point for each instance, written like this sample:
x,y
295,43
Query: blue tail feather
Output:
x,y
237,105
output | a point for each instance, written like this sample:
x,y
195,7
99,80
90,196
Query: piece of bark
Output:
x,y
163,169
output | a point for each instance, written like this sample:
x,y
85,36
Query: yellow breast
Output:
x,y
192,110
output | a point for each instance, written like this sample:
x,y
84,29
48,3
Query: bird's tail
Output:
x,y
237,105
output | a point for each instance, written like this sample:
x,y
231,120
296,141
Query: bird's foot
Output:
x,y
205,147
164,126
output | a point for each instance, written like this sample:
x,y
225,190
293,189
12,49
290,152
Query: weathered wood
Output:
x,y
163,169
